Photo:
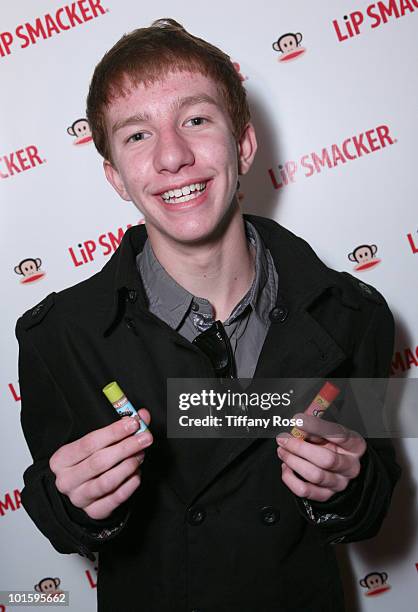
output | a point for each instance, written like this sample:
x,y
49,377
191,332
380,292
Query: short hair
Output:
x,y
148,54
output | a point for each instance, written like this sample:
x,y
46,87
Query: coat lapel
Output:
x,y
299,348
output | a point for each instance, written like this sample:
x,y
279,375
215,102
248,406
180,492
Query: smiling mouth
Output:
x,y
183,194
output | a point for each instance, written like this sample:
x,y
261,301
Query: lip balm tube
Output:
x,y
121,404
324,398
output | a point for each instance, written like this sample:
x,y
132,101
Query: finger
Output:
x,y
304,489
102,508
101,462
74,452
320,456
343,437
106,483
312,473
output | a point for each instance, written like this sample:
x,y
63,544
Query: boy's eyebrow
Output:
x,y
178,104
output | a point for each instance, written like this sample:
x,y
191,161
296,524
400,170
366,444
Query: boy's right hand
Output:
x,y
100,471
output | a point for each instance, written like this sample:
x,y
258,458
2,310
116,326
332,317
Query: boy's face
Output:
x,y
175,156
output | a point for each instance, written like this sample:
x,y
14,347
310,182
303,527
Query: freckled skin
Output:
x,y
173,150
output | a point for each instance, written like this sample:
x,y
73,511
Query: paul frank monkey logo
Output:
x,y
30,270
288,46
375,584
364,256
48,586
80,129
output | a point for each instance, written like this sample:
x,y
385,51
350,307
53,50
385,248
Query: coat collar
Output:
x,y
302,275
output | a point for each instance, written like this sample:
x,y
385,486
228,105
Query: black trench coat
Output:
x,y
212,528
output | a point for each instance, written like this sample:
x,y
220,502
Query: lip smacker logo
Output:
x,y
412,243
352,148
288,45
11,501
92,579
18,161
63,19
375,15
15,392
364,257
85,252
404,359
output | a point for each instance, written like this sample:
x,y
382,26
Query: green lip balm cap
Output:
x,y
113,392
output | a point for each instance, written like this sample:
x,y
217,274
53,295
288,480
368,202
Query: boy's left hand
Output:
x,y
327,459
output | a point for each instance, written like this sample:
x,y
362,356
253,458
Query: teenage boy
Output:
x,y
208,525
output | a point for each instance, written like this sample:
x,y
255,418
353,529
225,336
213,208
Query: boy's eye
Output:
x,y
196,121
138,136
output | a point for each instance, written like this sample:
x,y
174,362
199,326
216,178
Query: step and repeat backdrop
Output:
x,y
333,91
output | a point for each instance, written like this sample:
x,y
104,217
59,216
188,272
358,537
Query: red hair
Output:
x,y
148,54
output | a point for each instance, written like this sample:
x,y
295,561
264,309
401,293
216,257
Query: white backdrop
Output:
x,y
355,78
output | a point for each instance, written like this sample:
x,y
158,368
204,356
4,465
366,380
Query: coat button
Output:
x,y
195,306
278,314
269,515
365,288
35,311
196,515
130,324
131,296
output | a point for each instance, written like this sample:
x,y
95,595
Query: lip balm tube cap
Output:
x,y
113,392
329,392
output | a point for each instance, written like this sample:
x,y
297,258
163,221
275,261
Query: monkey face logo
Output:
x,y
364,257
30,269
48,585
375,583
288,45
81,130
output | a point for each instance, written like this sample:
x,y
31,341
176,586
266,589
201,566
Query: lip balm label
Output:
x,y
126,409
122,405
317,407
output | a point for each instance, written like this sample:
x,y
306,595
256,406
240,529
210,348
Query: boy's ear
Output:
x,y
247,148
115,179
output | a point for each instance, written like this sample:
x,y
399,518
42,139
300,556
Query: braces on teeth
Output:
x,y
186,193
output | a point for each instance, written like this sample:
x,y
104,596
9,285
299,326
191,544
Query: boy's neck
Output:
x,y
220,271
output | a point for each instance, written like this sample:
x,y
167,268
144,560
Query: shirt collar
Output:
x,y
163,292
303,276
172,302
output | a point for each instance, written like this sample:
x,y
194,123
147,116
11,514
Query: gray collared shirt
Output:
x,y
189,315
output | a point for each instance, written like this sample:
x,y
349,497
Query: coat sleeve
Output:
x,y
47,424
358,512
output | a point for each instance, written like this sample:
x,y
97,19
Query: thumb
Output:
x,y
145,415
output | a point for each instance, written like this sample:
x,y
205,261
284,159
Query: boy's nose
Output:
x,y
172,153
